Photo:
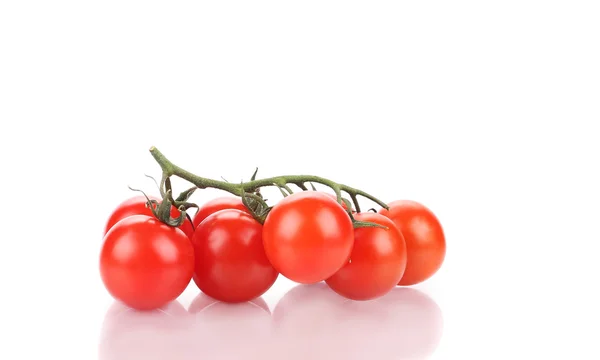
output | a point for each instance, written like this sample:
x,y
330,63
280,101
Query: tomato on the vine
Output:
x,y
137,206
231,264
377,261
308,236
214,205
424,236
145,263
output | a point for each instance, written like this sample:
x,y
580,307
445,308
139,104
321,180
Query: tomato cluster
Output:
x,y
308,237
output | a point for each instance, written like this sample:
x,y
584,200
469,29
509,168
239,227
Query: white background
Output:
x,y
486,112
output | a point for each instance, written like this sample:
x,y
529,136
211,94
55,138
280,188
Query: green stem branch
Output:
x,y
170,169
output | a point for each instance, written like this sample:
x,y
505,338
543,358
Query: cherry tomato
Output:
x,y
377,261
145,263
308,236
137,206
231,264
214,205
424,236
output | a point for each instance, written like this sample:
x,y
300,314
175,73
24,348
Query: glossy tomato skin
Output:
x,y
231,264
137,206
377,261
145,263
214,205
308,237
424,236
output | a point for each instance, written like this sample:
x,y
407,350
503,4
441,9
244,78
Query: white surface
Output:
x,y
483,111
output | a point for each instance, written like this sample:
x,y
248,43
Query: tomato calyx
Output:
x,y
166,192
181,203
162,210
258,207
185,196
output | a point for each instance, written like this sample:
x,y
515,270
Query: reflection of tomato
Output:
x,y
306,321
202,302
214,205
145,263
413,322
308,236
216,323
376,263
151,335
425,241
312,322
303,308
231,264
137,206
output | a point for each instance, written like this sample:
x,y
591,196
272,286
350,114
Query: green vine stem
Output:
x,y
240,189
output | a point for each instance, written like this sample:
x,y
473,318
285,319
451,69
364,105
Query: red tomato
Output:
x,y
137,206
145,263
231,263
377,261
308,237
214,205
424,236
